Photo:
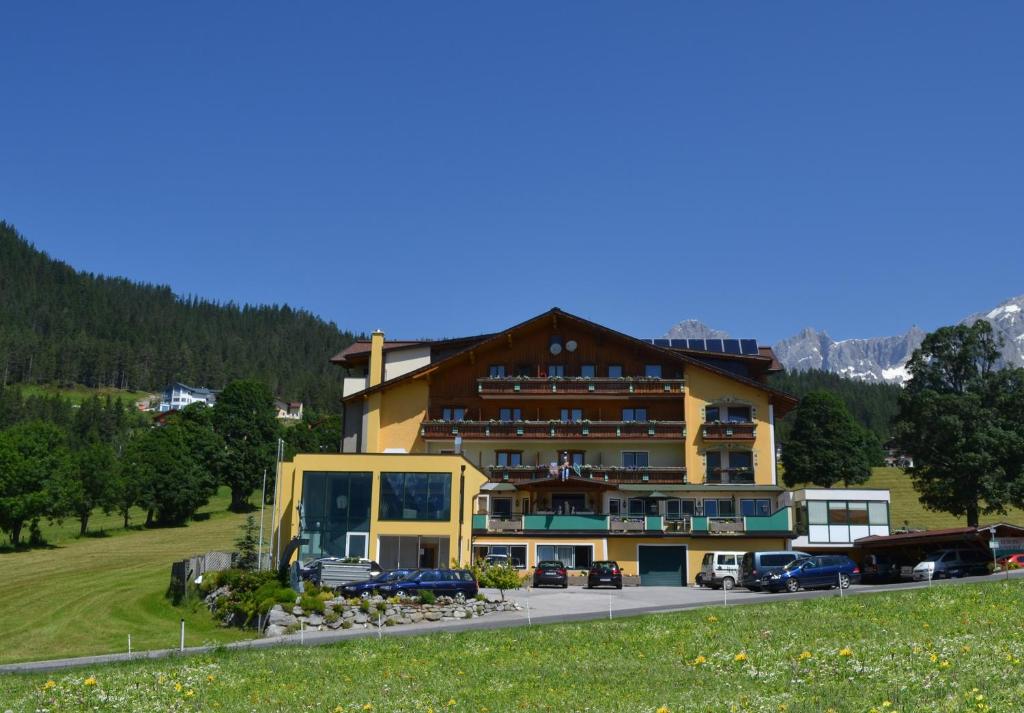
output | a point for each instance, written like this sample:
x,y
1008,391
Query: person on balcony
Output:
x,y
566,467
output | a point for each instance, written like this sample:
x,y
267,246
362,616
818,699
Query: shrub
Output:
x,y
481,597
331,617
347,624
498,576
364,606
427,597
312,604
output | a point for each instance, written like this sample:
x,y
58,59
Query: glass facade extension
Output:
x,y
335,514
416,496
841,521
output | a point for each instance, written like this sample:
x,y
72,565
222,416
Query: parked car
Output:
x,y
755,567
367,587
1015,561
883,569
457,583
551,572
817,572
719,569
953,563
604,573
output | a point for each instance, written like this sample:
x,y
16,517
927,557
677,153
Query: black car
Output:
x,y
367,587
455,583
551,572
604,573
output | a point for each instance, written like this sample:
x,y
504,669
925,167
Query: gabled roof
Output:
x,y
784,400
359,351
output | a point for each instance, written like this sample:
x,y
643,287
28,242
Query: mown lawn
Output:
x,y
78,394
948,648
84,596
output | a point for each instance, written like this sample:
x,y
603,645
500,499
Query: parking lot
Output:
x,y
576,602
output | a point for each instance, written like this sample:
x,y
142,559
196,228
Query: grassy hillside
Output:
x,y
84,596
943,649
78,394
907,508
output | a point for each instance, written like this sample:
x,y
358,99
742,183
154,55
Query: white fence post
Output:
x,y
181,646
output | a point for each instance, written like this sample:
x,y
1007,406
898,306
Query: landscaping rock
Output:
x,y
274,630
278,617
315,620
297,610
432,616
361,618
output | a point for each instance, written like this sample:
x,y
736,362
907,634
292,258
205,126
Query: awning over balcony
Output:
x,y
498,487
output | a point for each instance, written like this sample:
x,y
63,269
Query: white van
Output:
x,y
720,569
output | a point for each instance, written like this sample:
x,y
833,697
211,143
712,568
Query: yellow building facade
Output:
x,y
568,441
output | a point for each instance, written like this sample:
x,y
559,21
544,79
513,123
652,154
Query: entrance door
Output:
x,y
662,566
428,554
356,544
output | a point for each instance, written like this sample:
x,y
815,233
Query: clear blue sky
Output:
x,y
444,168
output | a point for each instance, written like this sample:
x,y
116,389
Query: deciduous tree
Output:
x,y
826,445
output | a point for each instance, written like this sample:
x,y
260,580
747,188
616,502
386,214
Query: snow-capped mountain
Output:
x,y
875,358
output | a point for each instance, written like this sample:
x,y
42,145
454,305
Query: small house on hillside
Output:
x,y
288,410
178,396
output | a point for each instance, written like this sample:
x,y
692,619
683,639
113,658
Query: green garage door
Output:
x,y
662,566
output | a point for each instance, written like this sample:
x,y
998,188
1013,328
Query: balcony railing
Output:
x,y
780,522
728,431
605,474
730,476
557,430
506,386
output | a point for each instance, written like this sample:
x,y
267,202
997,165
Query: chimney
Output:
x,y
376,357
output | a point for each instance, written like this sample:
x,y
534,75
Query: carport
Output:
x,y
911,547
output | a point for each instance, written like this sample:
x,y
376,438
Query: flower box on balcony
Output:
x,y
516,387
590,387
519,430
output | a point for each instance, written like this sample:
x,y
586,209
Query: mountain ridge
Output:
x,y
872,359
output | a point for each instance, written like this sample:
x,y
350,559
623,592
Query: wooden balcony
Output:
x,y
605,474
726,432
541,387
552,430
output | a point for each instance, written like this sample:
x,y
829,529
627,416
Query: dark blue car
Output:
x,y
367,587
818,572
456,583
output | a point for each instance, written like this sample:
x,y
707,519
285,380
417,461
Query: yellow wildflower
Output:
x,y
944,664
210,678
933,658
699,660
178,686
367,706
662,709
451,701
189,693
91,681
712,619
966,649
845,651
886,704
804,655
741,656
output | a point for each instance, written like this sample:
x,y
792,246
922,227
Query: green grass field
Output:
x,y
84,596
907,508
943,649
78,394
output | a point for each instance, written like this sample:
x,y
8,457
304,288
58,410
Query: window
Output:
x,y
411,552
727,560
636,507
497,371
570,415
415,496
334,505
572,556
577,457
634,414
676,509
652,371
508,458
515,553
614,506
857,513
510,414
615,371
634,459
837,514
741,459
878,513
711,414
501,507
817,512
453,413
714,459
719,507
738,414
755,507
556,369
588,371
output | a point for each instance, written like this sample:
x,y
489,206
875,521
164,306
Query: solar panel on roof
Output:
x,y
713,345
696,344
660,342
678,343
731,346
748,346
